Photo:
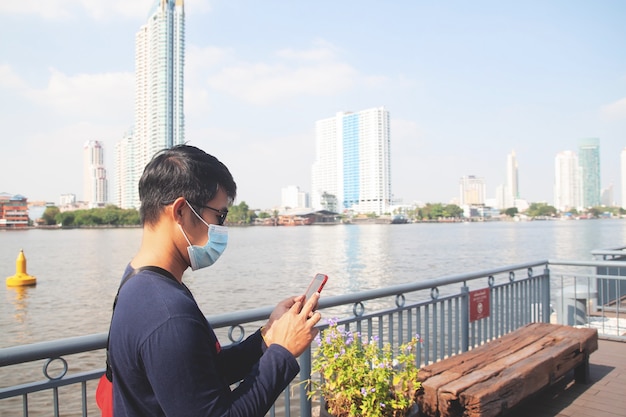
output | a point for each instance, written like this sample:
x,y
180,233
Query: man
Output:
x,y
164,355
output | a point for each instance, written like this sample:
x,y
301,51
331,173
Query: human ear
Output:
x,y
178,208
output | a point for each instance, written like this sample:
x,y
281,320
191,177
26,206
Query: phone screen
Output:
x,y
316,285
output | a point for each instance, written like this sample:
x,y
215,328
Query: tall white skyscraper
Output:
x,y
159,96
512,180
567,182
472,191
292,197
352,169
623,177
95,185
589,160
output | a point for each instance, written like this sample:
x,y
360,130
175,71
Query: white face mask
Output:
x,y
203,256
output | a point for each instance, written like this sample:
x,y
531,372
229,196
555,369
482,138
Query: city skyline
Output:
x,y
465,84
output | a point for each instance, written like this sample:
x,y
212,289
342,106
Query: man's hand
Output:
x,y
291,324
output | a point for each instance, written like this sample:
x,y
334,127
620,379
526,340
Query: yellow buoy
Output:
x,y
21,278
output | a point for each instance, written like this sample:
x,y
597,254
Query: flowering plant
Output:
x,y
361,378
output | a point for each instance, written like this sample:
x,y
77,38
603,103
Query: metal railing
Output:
x,y
450,313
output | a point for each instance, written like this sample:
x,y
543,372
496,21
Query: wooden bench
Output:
x,y
492,378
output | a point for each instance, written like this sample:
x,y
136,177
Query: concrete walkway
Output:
x,y
604,396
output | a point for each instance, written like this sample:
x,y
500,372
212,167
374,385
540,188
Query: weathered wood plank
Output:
x,y
500,374
492,371
515,383
434,376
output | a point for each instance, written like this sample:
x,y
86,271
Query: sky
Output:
x,y
465,84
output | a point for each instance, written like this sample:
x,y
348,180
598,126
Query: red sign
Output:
x,y
479,304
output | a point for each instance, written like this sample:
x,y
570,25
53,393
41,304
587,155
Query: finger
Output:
x,y
311,303
314,318
296,307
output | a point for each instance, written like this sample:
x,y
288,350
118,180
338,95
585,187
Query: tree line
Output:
x,y
114,216
241,214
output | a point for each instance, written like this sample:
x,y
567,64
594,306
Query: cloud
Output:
x,y
309,72
88,97
10,80
322,51
615,110
96,9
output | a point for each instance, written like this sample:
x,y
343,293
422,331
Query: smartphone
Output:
x,y
316,285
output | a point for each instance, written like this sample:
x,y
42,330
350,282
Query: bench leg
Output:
x,y
581,372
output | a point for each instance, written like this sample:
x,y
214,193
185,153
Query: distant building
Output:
x,y
95,183
159,98
606,196
352,168
567,182
589,160
67,199
512,178
623,177
126,191
292,197
472,191
13,211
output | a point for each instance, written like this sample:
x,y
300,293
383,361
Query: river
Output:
x,y
78,271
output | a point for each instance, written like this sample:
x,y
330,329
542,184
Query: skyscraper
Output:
x,y
95,184
352,169
292,197
159,96
512,181
567,182
623,177
589,160
472,191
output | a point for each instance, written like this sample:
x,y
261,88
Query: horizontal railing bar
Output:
x,y
610,264
53,383
52,349
613,251
421,285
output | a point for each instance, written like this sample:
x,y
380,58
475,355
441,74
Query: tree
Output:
x,y
65,219
50,214
511,211
239,214
541,210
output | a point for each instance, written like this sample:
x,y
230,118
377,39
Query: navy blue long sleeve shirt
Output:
x,y
167,361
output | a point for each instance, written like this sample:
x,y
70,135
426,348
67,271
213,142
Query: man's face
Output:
x,y
211,213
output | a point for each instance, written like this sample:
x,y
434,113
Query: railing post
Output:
x,y
305,375
545,302
464,318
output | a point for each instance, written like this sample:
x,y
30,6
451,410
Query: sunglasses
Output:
x,y
221,214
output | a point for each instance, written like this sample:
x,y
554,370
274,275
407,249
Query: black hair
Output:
x,y
182,171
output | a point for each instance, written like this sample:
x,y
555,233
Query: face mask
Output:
x,y
203,256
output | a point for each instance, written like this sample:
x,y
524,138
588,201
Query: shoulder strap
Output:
x,y
125,278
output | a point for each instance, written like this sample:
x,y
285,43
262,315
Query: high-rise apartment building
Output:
x,y
512,179
95,184
567,182
472,191
623,177
159,96
292,197
352,169
589,160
